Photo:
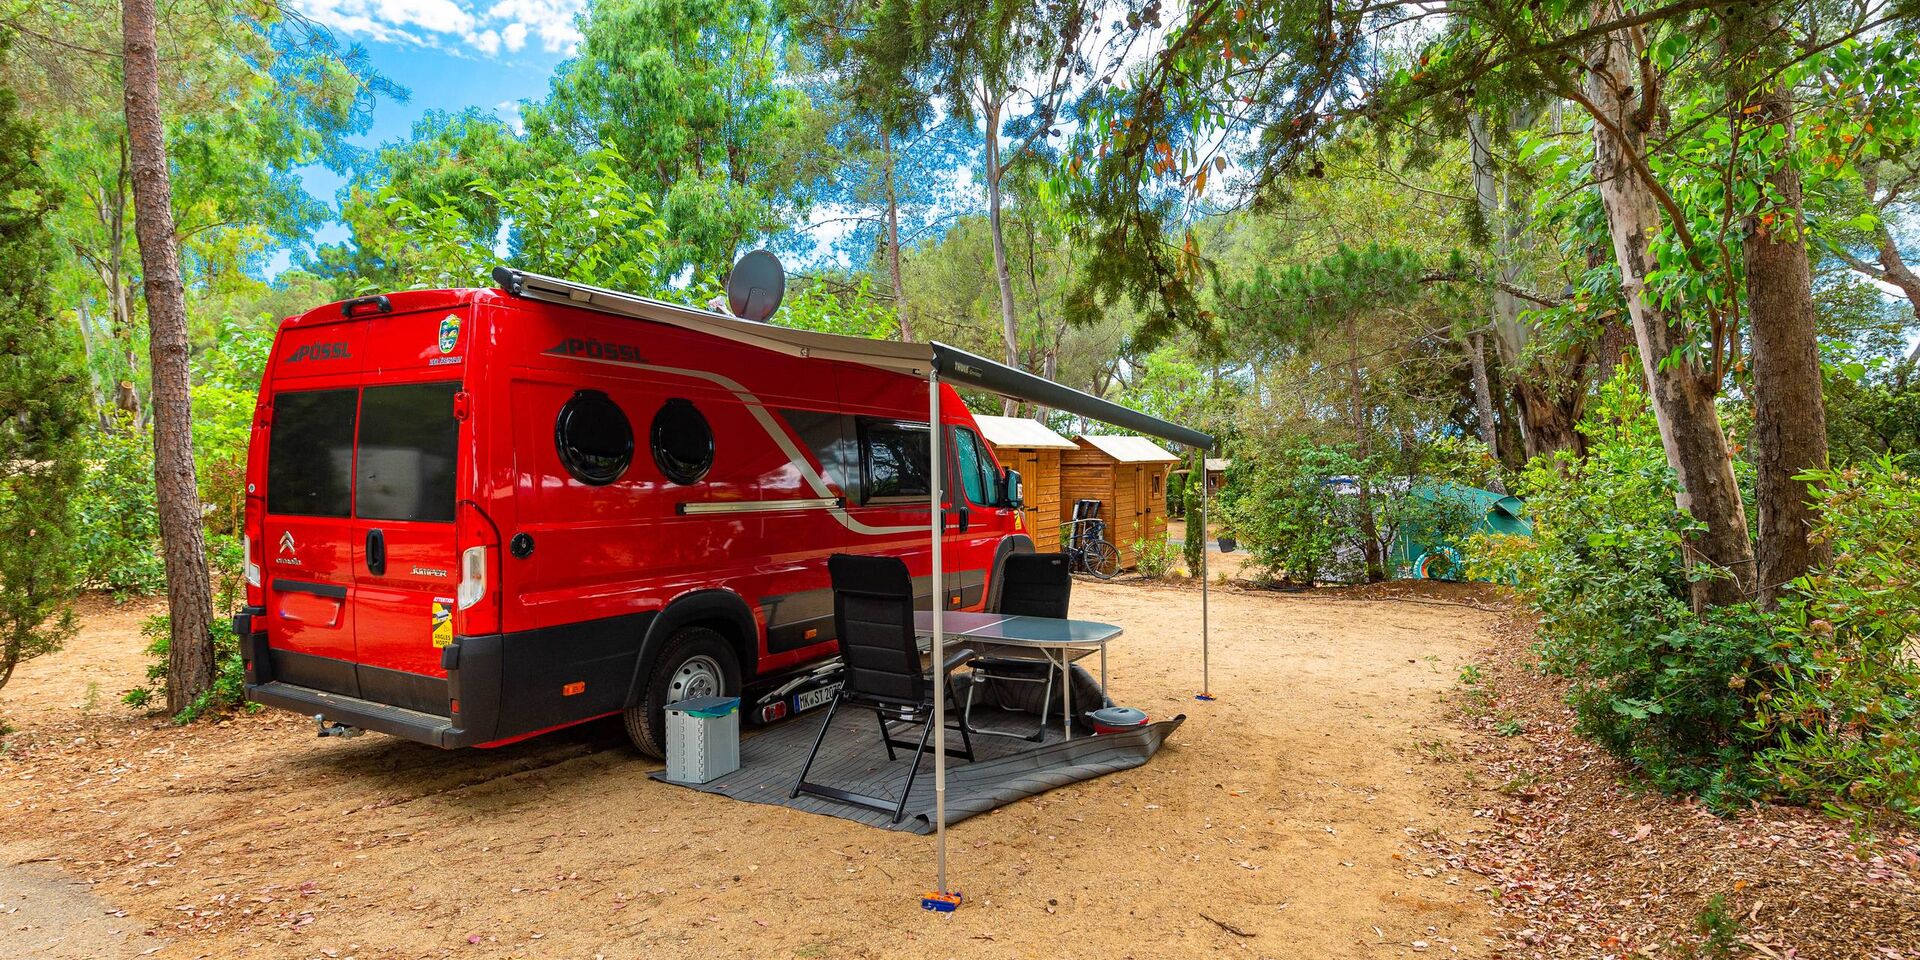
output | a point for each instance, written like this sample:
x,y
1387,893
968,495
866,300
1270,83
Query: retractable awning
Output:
x,y
935,362
952,365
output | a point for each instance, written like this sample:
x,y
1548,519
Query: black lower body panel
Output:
x,y
497,687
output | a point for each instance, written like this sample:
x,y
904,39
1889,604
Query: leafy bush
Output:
x,y
1156,556
1195,546
1837,717
1815,702
1292,504
1278,503
229,671
117,532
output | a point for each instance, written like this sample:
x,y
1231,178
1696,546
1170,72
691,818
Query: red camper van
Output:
x,y
473,516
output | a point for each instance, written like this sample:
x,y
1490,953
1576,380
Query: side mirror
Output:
x,y
1010,490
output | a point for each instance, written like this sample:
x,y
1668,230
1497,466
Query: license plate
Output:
x,y
818,697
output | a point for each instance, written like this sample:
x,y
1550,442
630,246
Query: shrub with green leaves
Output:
x,y
229,676
1815,702
1156,556
1278,503
1838,718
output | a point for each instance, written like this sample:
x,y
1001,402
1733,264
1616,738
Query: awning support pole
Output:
x,y
1206,687
936,530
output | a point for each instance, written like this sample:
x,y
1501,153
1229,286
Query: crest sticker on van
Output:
x,y
449,333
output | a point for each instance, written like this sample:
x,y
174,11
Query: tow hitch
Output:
x,y
326,729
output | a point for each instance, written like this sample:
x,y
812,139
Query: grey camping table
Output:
x,y
1059,642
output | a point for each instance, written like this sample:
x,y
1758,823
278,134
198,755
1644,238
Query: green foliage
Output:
x,y
1719,929
687,97
1156,557
229,672
1195,546
852,310
43,404
1604,572
1814,703
591,226
117,534
1838,719
1278,503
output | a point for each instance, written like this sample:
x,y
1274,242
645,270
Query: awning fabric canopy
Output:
x,y
952,364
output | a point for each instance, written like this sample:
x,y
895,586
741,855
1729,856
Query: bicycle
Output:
x,y
1087,548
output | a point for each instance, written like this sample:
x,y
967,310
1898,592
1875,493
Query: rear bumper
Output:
x,y
473,666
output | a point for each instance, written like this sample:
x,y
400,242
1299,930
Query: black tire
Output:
x,y
1102,560
677,675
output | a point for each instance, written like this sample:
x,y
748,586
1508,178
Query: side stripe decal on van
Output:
x,y
773,431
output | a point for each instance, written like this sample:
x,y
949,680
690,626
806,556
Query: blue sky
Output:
x,y
450,55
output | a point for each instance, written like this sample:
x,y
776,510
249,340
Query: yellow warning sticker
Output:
x,y
442,624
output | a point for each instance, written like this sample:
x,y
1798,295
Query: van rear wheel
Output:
x,y
696,662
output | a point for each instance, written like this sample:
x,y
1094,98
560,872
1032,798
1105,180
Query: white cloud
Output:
x,y
509,111
481,26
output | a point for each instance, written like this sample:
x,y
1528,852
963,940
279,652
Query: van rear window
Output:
x,y
408,438
310,453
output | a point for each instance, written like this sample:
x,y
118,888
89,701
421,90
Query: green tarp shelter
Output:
x,y
1415,551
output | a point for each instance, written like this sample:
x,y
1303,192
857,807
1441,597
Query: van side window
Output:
x,y
593,438
408,439
893,459
976,471
682,442
310,453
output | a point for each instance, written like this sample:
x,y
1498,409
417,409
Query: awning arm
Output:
x,y
960,368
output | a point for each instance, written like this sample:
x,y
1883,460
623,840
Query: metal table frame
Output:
x,y
1059,642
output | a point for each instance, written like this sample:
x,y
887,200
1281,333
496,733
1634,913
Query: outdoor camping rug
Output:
x,y
852,758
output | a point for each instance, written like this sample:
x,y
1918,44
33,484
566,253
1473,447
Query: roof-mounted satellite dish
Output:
x,y
755,287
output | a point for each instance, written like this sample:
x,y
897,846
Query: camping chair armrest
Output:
x,y
956,660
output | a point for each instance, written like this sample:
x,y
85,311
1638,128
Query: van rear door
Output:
x,y
306,536
406,486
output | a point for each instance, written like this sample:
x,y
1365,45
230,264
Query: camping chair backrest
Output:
x,y
873,612
1035,585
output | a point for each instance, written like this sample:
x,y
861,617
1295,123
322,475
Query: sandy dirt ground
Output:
x,y
1283,820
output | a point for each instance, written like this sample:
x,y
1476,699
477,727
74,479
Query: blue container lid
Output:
x,y
706,707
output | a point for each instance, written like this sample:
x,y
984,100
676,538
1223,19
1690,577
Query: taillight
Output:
x,y
251,566
473,576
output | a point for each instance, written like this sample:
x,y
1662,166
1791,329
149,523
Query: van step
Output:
x,y
353,711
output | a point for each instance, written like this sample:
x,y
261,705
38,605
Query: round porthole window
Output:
x,y
594,438
682,442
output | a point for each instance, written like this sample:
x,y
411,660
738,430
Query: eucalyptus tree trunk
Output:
x,y
1483,400
1789,410
1627,115
189,595
893,238
1009,320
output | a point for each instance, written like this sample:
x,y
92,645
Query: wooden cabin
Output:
x,y
1216,473
1128,475
1029,447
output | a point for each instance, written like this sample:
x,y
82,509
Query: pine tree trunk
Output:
x,y
1789,410
1009,321
1682,396
189,595
893,240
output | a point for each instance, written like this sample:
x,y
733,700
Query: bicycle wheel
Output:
x,y
1102,560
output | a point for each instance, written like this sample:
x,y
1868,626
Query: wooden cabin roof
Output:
x,y
1129,449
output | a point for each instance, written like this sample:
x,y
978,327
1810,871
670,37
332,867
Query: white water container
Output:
x,y
703,739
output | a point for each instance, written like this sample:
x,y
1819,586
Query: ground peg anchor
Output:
x,y
941,902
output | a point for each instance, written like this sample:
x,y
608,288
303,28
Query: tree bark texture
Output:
x,y
1682,395
189,594
893,240
1483,400
1009,320
1789,409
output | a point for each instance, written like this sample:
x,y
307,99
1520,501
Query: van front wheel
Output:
x,y
696,662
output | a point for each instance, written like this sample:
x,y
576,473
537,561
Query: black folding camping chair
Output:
x,y
873,612
1031,585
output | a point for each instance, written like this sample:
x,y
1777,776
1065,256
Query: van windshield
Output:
x,y
408,439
